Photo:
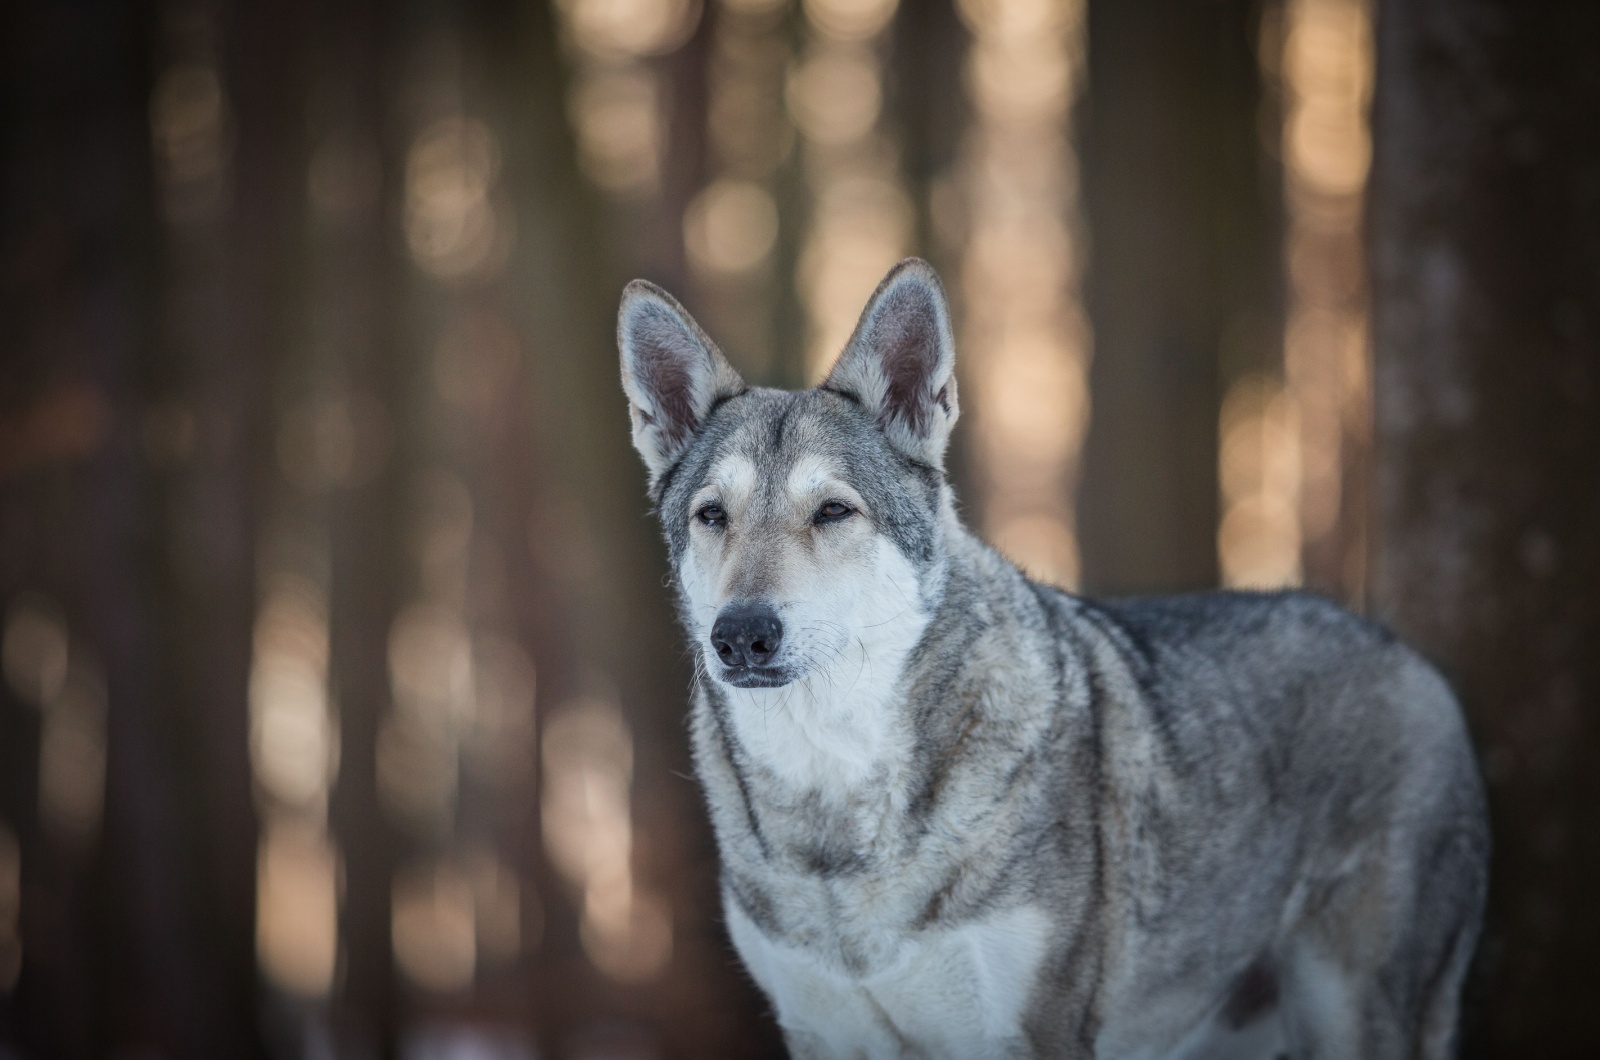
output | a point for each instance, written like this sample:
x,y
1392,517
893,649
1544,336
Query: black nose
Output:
x,y
747,635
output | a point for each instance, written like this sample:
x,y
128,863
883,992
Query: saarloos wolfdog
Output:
x,y
962,814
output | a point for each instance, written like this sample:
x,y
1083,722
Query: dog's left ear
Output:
x,y
672,373
900,363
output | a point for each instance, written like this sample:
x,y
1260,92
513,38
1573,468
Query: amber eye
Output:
x,y
832,512
712,515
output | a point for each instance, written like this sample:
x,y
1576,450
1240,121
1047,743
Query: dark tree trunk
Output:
x,y
147,939
929,109
360,47
77,227
1182,210
1486,238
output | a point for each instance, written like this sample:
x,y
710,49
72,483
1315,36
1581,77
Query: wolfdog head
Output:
x,y
805,528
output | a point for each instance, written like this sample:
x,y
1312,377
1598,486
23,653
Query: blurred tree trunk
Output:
x,y
361,46
1182,208
1486,239
928,106
76,225
263,68
145,942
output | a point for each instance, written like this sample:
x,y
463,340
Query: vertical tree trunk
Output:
x,y
1486,238
361,46
76,224
929,108
1182,209
262,63
167,962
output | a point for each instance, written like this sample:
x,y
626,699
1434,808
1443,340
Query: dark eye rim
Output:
x,y
713,515
825,516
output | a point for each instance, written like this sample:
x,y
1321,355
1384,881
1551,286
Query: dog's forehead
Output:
x,y
796,440
812,472
735,474
732,472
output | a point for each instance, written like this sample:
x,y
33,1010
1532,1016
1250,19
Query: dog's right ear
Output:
x,y
900,363
671,372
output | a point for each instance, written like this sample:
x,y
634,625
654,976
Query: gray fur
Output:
x,y
1252,821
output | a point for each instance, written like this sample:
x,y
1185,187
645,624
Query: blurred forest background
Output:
x,y
342,711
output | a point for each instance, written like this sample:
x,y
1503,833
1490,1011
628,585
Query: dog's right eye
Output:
x,y
712,515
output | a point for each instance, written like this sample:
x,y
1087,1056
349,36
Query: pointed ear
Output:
x,y
671,372
900,363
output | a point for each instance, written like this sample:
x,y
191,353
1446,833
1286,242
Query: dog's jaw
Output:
x,y
754,676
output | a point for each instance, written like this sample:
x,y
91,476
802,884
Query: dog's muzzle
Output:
x,y
747,638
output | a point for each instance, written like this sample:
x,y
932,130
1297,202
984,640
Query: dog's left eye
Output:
x,y
832,512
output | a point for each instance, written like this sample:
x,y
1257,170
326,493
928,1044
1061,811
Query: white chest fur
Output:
x,y
952,994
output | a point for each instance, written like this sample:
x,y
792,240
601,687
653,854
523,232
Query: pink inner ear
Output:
x,y
906,335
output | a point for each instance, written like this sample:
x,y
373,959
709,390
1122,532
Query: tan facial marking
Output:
x,y
813,480
732,484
